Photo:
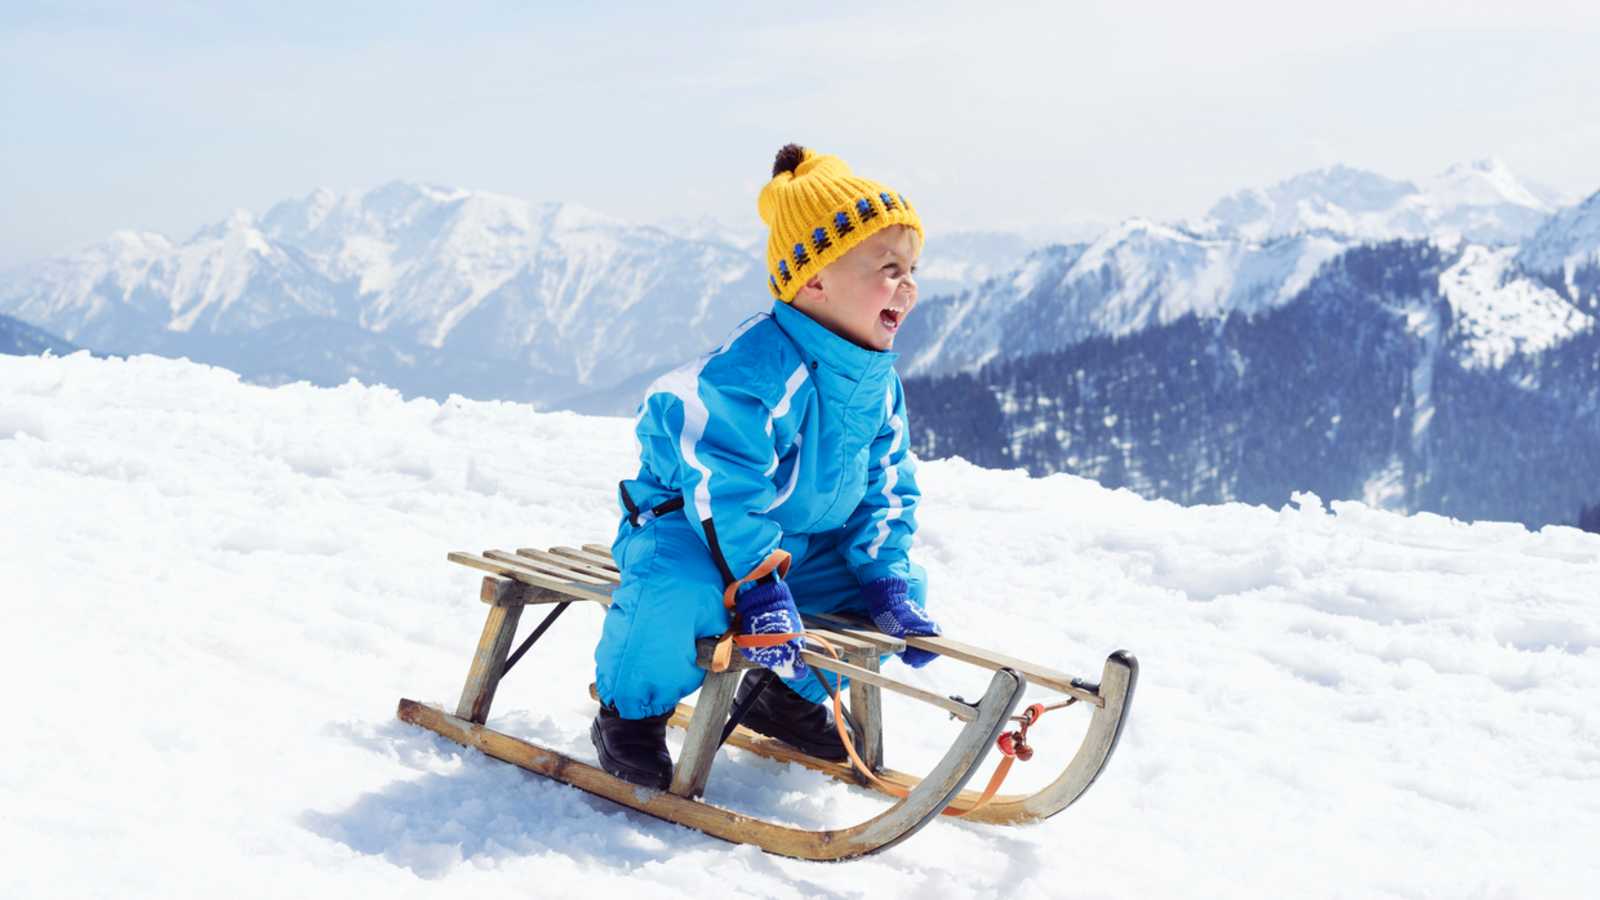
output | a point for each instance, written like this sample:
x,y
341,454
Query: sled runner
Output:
x,y
558,577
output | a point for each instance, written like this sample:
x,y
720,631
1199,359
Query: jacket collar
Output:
x,y
840,355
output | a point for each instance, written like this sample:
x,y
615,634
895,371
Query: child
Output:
x,y
791,439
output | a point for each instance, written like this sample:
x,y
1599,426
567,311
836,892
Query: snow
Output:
x,y
215,594
1483,182
1483,199
1498,313
1135,276
1568,240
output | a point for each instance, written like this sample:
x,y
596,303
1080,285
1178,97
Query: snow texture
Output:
x,y
215,593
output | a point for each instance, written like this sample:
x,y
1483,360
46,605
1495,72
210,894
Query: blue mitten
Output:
x,y
769,609
889,604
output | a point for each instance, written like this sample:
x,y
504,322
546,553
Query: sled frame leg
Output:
x,y
866,707
704,736
488,663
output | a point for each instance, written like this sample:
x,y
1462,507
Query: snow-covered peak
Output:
x,y
415,262
953,261
572,217
1484,182
130,243
1497,313
237,224
1139,274
397,198
751,236
1568,241
122,258
1483,201
1135,233
1339,199
301,216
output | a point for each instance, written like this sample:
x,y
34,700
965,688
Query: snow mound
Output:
x,y
215,593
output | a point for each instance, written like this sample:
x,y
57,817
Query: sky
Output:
x,y
167,116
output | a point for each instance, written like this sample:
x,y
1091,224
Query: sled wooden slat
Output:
x,y
525,575
554,571
847,645
963,711
1042,676
884,642
561,572
577,565
956,708
1037,674
602,560
597,550
902,819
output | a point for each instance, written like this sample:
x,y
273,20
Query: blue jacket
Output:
x,y
786,428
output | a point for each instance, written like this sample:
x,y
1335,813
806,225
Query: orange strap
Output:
x,y
1009,743
723,655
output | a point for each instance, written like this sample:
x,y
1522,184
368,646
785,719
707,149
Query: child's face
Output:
x,y
866,294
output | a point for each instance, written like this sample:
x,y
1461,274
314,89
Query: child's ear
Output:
x,y
812,289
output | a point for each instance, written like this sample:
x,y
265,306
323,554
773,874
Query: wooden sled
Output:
x,y
563,575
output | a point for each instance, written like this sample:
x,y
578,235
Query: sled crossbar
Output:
x,y
562,575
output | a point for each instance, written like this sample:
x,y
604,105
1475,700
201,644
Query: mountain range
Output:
x,y
436,290
1256,250
1423,374
430,290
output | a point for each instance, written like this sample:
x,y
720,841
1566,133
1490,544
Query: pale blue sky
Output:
x,y
165,116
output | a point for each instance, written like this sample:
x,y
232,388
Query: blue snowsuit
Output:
x,y
789,437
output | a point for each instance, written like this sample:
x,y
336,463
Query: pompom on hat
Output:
x,y
816,210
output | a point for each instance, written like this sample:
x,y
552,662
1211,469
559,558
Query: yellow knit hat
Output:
x,y
817,210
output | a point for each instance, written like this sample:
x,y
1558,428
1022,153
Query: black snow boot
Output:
x,y
634,750
781,713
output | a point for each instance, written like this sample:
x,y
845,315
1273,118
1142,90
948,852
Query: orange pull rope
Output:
x,y
1007,743
1012,744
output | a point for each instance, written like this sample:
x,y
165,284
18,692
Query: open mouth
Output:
x,y
891,318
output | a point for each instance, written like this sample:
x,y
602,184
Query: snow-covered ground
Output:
x,y
214,594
